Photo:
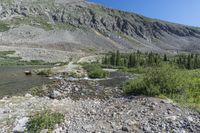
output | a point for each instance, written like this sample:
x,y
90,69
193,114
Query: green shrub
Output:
x,y
158,80
38,90
73,75
182,86
44,72
44,120
95,71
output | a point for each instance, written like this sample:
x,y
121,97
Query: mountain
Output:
x,y
83,27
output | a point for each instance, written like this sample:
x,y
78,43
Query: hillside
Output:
x,y
82,27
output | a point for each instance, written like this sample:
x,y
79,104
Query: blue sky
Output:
x,y
178,11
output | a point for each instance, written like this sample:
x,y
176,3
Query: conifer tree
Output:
x,y
165,57
117,58
113,59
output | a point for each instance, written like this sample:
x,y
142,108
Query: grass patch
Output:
x,y
38,90
6,60
44,120
4,27
95,71
64,26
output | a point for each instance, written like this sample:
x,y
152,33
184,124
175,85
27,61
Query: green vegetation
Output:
x,y
44,72
182,86
73,75
139,59
38,90
95,71
44,120
6,60
64,26
164,80
4,27
176,77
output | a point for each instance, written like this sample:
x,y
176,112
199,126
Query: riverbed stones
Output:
x,y
86,111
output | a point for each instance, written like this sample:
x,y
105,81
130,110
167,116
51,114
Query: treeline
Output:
x,y
136,59
133,59
190,61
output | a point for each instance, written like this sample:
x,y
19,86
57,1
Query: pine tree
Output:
x,y
129,60
117,58
106,60
189,63
113,59
125,62
165,57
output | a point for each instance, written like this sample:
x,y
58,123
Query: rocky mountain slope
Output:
x,y
81,26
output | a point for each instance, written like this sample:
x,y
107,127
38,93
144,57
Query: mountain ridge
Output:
x,y
85,25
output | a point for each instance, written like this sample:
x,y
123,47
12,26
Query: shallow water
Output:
x,y
13,80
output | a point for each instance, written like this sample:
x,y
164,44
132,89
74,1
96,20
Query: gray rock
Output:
x,y
168,101
55,94
172,118
125,129
20,125
44,131
146,129
88,127
190,119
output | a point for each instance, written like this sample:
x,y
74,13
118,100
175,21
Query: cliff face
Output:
x,y
72,25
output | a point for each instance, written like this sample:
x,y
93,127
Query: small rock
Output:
x,y
190,118
152,107
173,118
88,128
76,89
21,124
130,122
125,129
28,95
44,131
146,129
6,111
168,101
55,94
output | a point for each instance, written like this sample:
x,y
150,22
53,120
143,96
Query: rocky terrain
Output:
x,y
92,106
114,115
83,27
98,106
63,30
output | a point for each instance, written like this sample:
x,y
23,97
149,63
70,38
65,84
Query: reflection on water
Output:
x,y
13,80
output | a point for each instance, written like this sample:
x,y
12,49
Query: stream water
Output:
x,y
14,81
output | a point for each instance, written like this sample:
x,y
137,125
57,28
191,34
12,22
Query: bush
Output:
x,y
38,90
44,72
158,80
44,120
95,71
183,86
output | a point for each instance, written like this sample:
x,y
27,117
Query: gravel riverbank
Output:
x,y
114,115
